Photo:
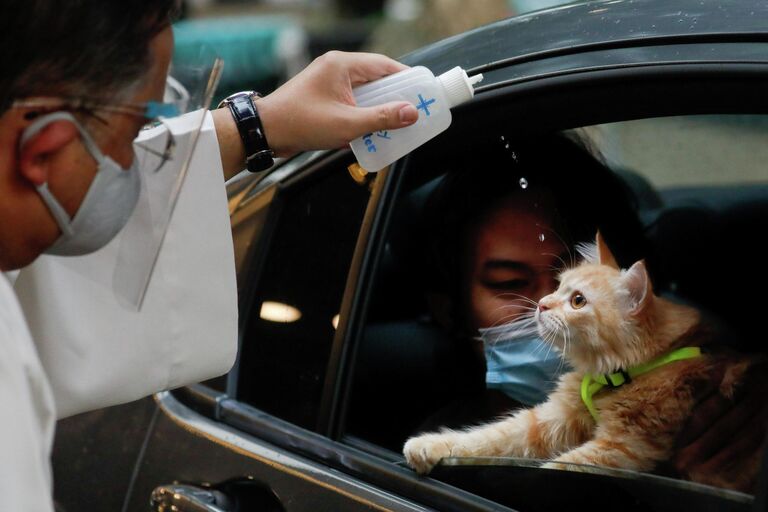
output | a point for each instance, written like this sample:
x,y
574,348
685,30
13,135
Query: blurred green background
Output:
x,y
265,42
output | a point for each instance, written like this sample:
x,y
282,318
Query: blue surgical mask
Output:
x,y
107,205
519,363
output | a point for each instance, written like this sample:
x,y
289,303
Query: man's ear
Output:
x,y
35,152
604,254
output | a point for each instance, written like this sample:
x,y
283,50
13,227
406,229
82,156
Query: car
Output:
x,y
337,364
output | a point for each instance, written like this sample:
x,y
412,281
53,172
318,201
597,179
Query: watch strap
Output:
x,y
258,155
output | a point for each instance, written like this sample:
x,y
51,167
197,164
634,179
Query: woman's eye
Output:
x,y
578,300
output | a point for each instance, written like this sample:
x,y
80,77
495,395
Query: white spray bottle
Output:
x,y
433,98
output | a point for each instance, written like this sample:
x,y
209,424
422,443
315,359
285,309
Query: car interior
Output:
x,y
704,243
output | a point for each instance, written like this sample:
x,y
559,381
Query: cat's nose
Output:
x,y
543,307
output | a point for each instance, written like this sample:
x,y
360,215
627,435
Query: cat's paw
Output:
x,y
423,452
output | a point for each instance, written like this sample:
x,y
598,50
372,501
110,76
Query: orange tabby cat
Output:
x,y
604,320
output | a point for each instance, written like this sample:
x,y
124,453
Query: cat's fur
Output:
x,y
622,325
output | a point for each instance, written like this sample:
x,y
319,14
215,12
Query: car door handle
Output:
x,y
189,498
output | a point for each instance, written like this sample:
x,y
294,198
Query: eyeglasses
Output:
x,y
155,113
151,110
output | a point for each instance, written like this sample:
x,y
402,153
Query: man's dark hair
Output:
x,y
77,47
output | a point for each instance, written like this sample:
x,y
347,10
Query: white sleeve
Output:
x,y
95,352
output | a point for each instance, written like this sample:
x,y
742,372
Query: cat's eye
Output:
x,y
578,301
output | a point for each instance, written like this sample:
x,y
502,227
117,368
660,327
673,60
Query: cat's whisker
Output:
x,y
541,346
567,247
517,297
565,266
517,318
549,350
510,306
520,325
522,306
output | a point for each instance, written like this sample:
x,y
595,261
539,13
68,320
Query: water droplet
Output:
x,y
502,137
542,237
523,183
506,146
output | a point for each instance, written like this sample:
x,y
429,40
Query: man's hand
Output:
x,y
316,108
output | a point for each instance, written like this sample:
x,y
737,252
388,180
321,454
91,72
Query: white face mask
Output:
x,y
107,206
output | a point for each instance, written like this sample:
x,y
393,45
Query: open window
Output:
x,y
697,189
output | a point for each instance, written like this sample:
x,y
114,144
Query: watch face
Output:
x,y
241,94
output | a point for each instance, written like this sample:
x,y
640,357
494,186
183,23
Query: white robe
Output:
x,y
90,352
27,415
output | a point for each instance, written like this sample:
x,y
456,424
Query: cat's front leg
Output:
x,y
520,435
614,453
536,433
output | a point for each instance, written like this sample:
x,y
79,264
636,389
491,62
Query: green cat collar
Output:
x,y
591,384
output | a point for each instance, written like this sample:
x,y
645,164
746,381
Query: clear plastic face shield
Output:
x,y
163,152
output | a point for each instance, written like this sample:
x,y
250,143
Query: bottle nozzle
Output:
x,y
475,79
458,86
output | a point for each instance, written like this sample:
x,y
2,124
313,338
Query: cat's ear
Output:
x,y
638,284
604,254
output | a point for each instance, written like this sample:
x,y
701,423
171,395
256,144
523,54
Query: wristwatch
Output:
x,y
258,155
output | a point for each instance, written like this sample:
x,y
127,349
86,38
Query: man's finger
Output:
x,y
366,67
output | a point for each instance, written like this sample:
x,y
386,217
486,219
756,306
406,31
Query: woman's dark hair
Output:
x,y
77,47
556,173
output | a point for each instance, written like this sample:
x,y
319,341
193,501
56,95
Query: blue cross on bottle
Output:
x,y
424,104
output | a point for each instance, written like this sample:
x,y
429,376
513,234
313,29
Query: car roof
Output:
x,y
597,25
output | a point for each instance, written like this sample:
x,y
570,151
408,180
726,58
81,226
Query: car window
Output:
x,y
688,151
687,194
299,278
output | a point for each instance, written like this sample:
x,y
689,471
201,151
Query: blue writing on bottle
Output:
x,y
369,143
424,104
384,134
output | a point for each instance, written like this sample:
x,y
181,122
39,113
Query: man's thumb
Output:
x,y
388,116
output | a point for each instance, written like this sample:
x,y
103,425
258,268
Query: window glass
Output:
x,y
291,325
477,243
688,151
